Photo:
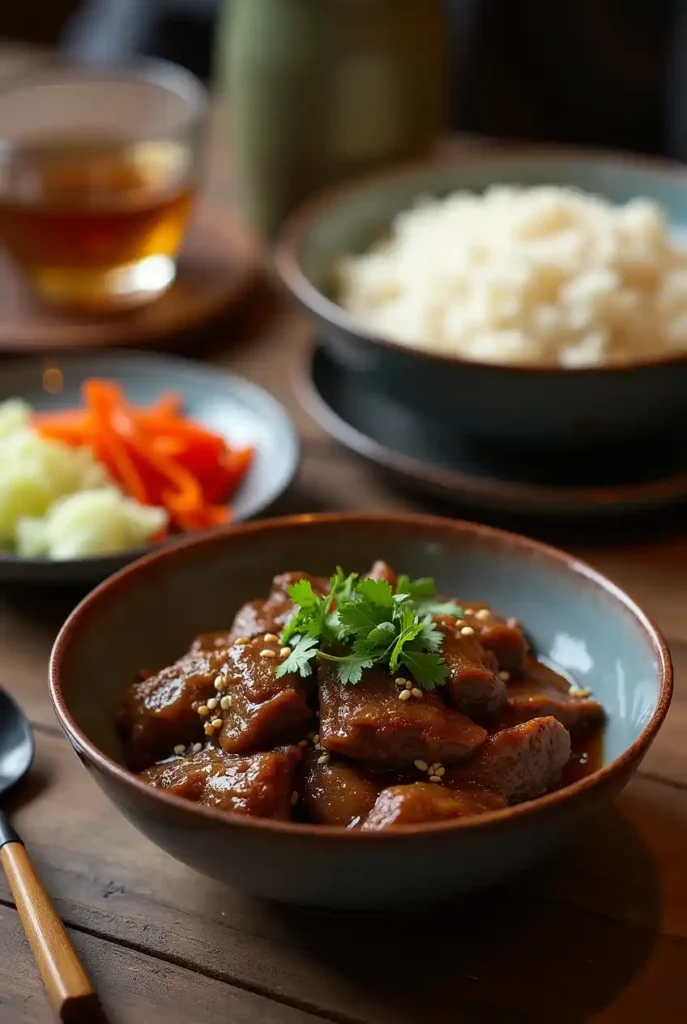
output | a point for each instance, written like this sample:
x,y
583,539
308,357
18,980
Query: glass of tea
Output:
x,y
98,169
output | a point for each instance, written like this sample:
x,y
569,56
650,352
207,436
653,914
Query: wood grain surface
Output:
x,y
599,935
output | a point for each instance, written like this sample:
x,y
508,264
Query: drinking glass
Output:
x,y
98,169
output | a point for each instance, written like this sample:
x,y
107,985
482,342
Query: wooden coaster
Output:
x,y
220,259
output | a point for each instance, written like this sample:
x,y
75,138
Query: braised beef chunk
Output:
x,y
260,785
529,699
504,638
264,710
507,643
368,722
473,686
336,793
503,728
383,571
251,620
160,712
271,616
427,801
540,692
517,763
206,643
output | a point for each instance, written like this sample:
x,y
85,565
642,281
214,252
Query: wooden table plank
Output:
x,y
620,887
132,987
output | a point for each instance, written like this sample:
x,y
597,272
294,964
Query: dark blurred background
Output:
x,y
600,72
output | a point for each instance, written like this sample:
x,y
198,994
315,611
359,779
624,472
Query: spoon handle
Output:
x,y
67,984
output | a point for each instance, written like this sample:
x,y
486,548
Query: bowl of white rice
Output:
x,y
531,296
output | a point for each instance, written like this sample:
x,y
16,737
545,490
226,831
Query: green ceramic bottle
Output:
x,y
322,89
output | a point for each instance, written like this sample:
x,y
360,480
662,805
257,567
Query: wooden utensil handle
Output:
x,y
67,984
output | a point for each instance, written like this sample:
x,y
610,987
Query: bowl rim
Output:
x,y
258,528
300,221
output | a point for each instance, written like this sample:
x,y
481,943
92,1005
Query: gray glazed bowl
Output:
x,y
547,409
148,613
231,405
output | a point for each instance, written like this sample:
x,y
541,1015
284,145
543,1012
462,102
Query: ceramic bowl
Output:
x,y
230,405
147,614
556,409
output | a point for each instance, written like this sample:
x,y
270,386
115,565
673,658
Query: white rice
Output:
x,y
541,276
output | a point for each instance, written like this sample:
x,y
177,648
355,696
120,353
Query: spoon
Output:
x,y
69,989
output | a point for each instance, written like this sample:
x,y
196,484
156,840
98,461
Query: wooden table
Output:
x,y
598,935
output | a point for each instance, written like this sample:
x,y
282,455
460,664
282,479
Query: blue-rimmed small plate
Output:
x,y
227,404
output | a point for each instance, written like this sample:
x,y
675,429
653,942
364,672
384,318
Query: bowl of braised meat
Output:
x,y
360,711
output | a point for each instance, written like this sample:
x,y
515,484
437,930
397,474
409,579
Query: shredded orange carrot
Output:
x,y
156,454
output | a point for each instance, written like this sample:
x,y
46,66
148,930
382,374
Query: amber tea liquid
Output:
x,y
95,225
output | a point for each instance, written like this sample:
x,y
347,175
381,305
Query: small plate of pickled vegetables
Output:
x,y
103,457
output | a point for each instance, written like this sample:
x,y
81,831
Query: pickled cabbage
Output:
x,y
94,522
59,502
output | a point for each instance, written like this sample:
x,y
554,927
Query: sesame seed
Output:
x,y
285,652
440,771
483,614
316,738
409,685
212,703
513,623
179,749
270,638
467,631
578,691
209,729
505,676
302,743
404,695
416,692
400,681
268,654
469,611
203,710
294,798
219,683
226,702
433,767
421,766
197,747
217,723
324,759
434,778
240,641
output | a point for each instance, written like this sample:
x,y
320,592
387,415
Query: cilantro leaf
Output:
x,y
409,629
302,594
376,591
432,638
341,585
381,635
358,616
423,594
423,589
371,625
428,670
439,608
303,651
351,670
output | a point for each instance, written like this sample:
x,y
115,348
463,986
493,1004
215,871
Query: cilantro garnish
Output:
x,y
359,623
